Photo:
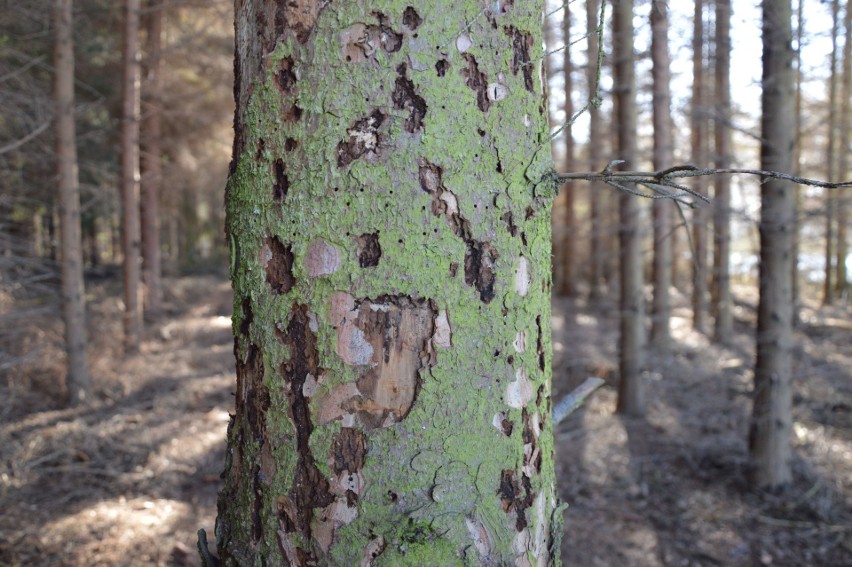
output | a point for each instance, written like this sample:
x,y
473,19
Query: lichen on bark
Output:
x,y
388,251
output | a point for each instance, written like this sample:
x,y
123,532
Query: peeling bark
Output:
x,y
389,397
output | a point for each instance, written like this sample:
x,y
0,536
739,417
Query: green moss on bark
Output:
x,y
350,135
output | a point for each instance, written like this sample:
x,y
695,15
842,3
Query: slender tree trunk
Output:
x,y
130,176
769,441
71,265
831,160
797,156
151,165
724,320
391,274
596,203
699,156
662,209
630,391
569,276
843,164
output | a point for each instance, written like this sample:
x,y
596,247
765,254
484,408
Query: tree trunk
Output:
x,y
843,165
72,289
769,441
698,120
630,391
130,175
569,276
831,161
724,320
390,246
151,165
596,202
662,209
797,158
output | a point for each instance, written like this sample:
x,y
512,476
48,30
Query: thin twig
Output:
x,y
575,399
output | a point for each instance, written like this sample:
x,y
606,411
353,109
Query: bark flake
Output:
x,y
405,97
476,81
362,139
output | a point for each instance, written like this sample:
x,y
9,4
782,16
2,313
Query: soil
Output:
x,y
129,480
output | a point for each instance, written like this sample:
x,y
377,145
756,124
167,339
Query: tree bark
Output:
x,y
724,318
769,441
150,162
797,158
842,279
662,209
831,161
569,275
698,120
71,265
130,176
596,199
390,249
630,390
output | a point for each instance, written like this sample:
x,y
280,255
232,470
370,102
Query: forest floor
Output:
x,y
129,480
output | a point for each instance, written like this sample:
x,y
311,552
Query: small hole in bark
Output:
x,y
290,144
496,353
511,360
481,132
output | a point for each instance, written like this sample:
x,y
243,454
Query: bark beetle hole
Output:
x,y
476,81
290,144
441,67
363,139
479,268
411,19
282,182
406,98
369,250
285,78
279,268
521,44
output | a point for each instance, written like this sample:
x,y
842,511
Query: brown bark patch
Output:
x,y
360,41
539,344
411,19
476,81
441,67
514,497
278,264
282,181
369,250
299,16
362,139
430,177
348,449
248,317
479,268
310,487
521,45
509,219
389,338
285,78
405,97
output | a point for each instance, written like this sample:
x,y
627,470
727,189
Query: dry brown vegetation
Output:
x,y
129,480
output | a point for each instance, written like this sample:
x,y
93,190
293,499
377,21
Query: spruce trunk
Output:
x,y
390,259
